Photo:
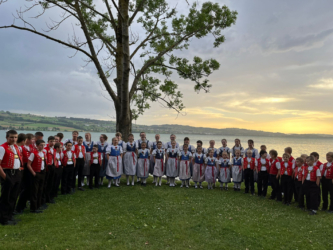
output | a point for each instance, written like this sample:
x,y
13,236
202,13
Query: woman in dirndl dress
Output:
x,y
142,170
172,169
102,146
211,169
185,158
114,170
159,165
237,170
152,147
130,159
225,166
88,144
198,161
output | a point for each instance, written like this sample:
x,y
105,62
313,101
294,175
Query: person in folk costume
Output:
x,y
301,194
80,153
298,177
38,136
203,150
172,168
59,155
37,166
264,148
138,145
255,153
185,158
169,145
159,165
289,150
49,173
26,180
94,166
119,136
198,161
237,170
274,174
286,173
21,139
114,170
210,169
142,170
61,136
212,147
262,168
311,182
75,135
224,148
238,146
249,166
88,144
318,164
327,182
68,163
153,146
130,159
224,170
102,146
191,149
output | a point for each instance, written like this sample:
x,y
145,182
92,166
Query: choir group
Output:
x,y
35,170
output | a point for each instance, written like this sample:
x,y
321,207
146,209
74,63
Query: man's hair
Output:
x,y
300,159
29,136
142,133
286,154
11,132
80,137
130,135
39,134
289,150
39,142
21,137
186,139
51,138
119,134
273,152
57,145
262,152
310,158
251,141
330,154
314,154
199,141
75,132
61,135
185,145
95,146
68,143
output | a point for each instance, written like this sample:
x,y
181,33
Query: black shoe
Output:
x,y
36,211
81,188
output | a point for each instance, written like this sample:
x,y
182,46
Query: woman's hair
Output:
x,y
104,136
89,135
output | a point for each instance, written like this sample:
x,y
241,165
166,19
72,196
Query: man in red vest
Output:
x,y
10,177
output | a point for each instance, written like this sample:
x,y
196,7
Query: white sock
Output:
x,y
109,183
144,181
160,181
127,179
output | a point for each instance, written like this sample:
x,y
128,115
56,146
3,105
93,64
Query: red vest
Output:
x,y
37,162
56,163
273,169
65,159
298,173
329,173
50,155
92,158
25,154
9,156
289,168
313,176
319,164
266,165
77,150
252,163
291,159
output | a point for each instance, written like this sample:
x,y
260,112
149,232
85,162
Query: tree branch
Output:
x,y
113,22
136,11
115,5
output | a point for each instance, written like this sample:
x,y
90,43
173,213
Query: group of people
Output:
x,y
33,169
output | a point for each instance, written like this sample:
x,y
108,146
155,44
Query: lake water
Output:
x,y
299,145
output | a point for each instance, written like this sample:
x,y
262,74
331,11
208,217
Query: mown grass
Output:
x,y
168,218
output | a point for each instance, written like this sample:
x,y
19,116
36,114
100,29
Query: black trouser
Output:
x,y
10,188
262,183
78,172
26,190
312,192
37,186
48,184
57,181
249,180
298,186
94,172
276,191
301,195
327,187
286,185
67,179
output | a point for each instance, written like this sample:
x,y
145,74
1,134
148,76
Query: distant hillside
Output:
x,y
31,122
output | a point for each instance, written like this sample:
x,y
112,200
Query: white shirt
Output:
x,y
174,151
224,149
235,158
95,161
188,153
327,166
263,161
189,146
17,163
299,169
59,156
286,166
69,155
108,149
168,145
143,152
158,151
32,157
80,152
249,161
225,161
318,174
278,165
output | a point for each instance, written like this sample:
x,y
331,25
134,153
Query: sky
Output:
x,y
276,71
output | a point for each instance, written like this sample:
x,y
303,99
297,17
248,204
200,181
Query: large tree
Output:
x,y
116,27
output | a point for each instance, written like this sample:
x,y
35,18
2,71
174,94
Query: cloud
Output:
x,y
272,100
326,84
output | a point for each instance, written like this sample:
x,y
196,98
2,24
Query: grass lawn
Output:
x,y
168,218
